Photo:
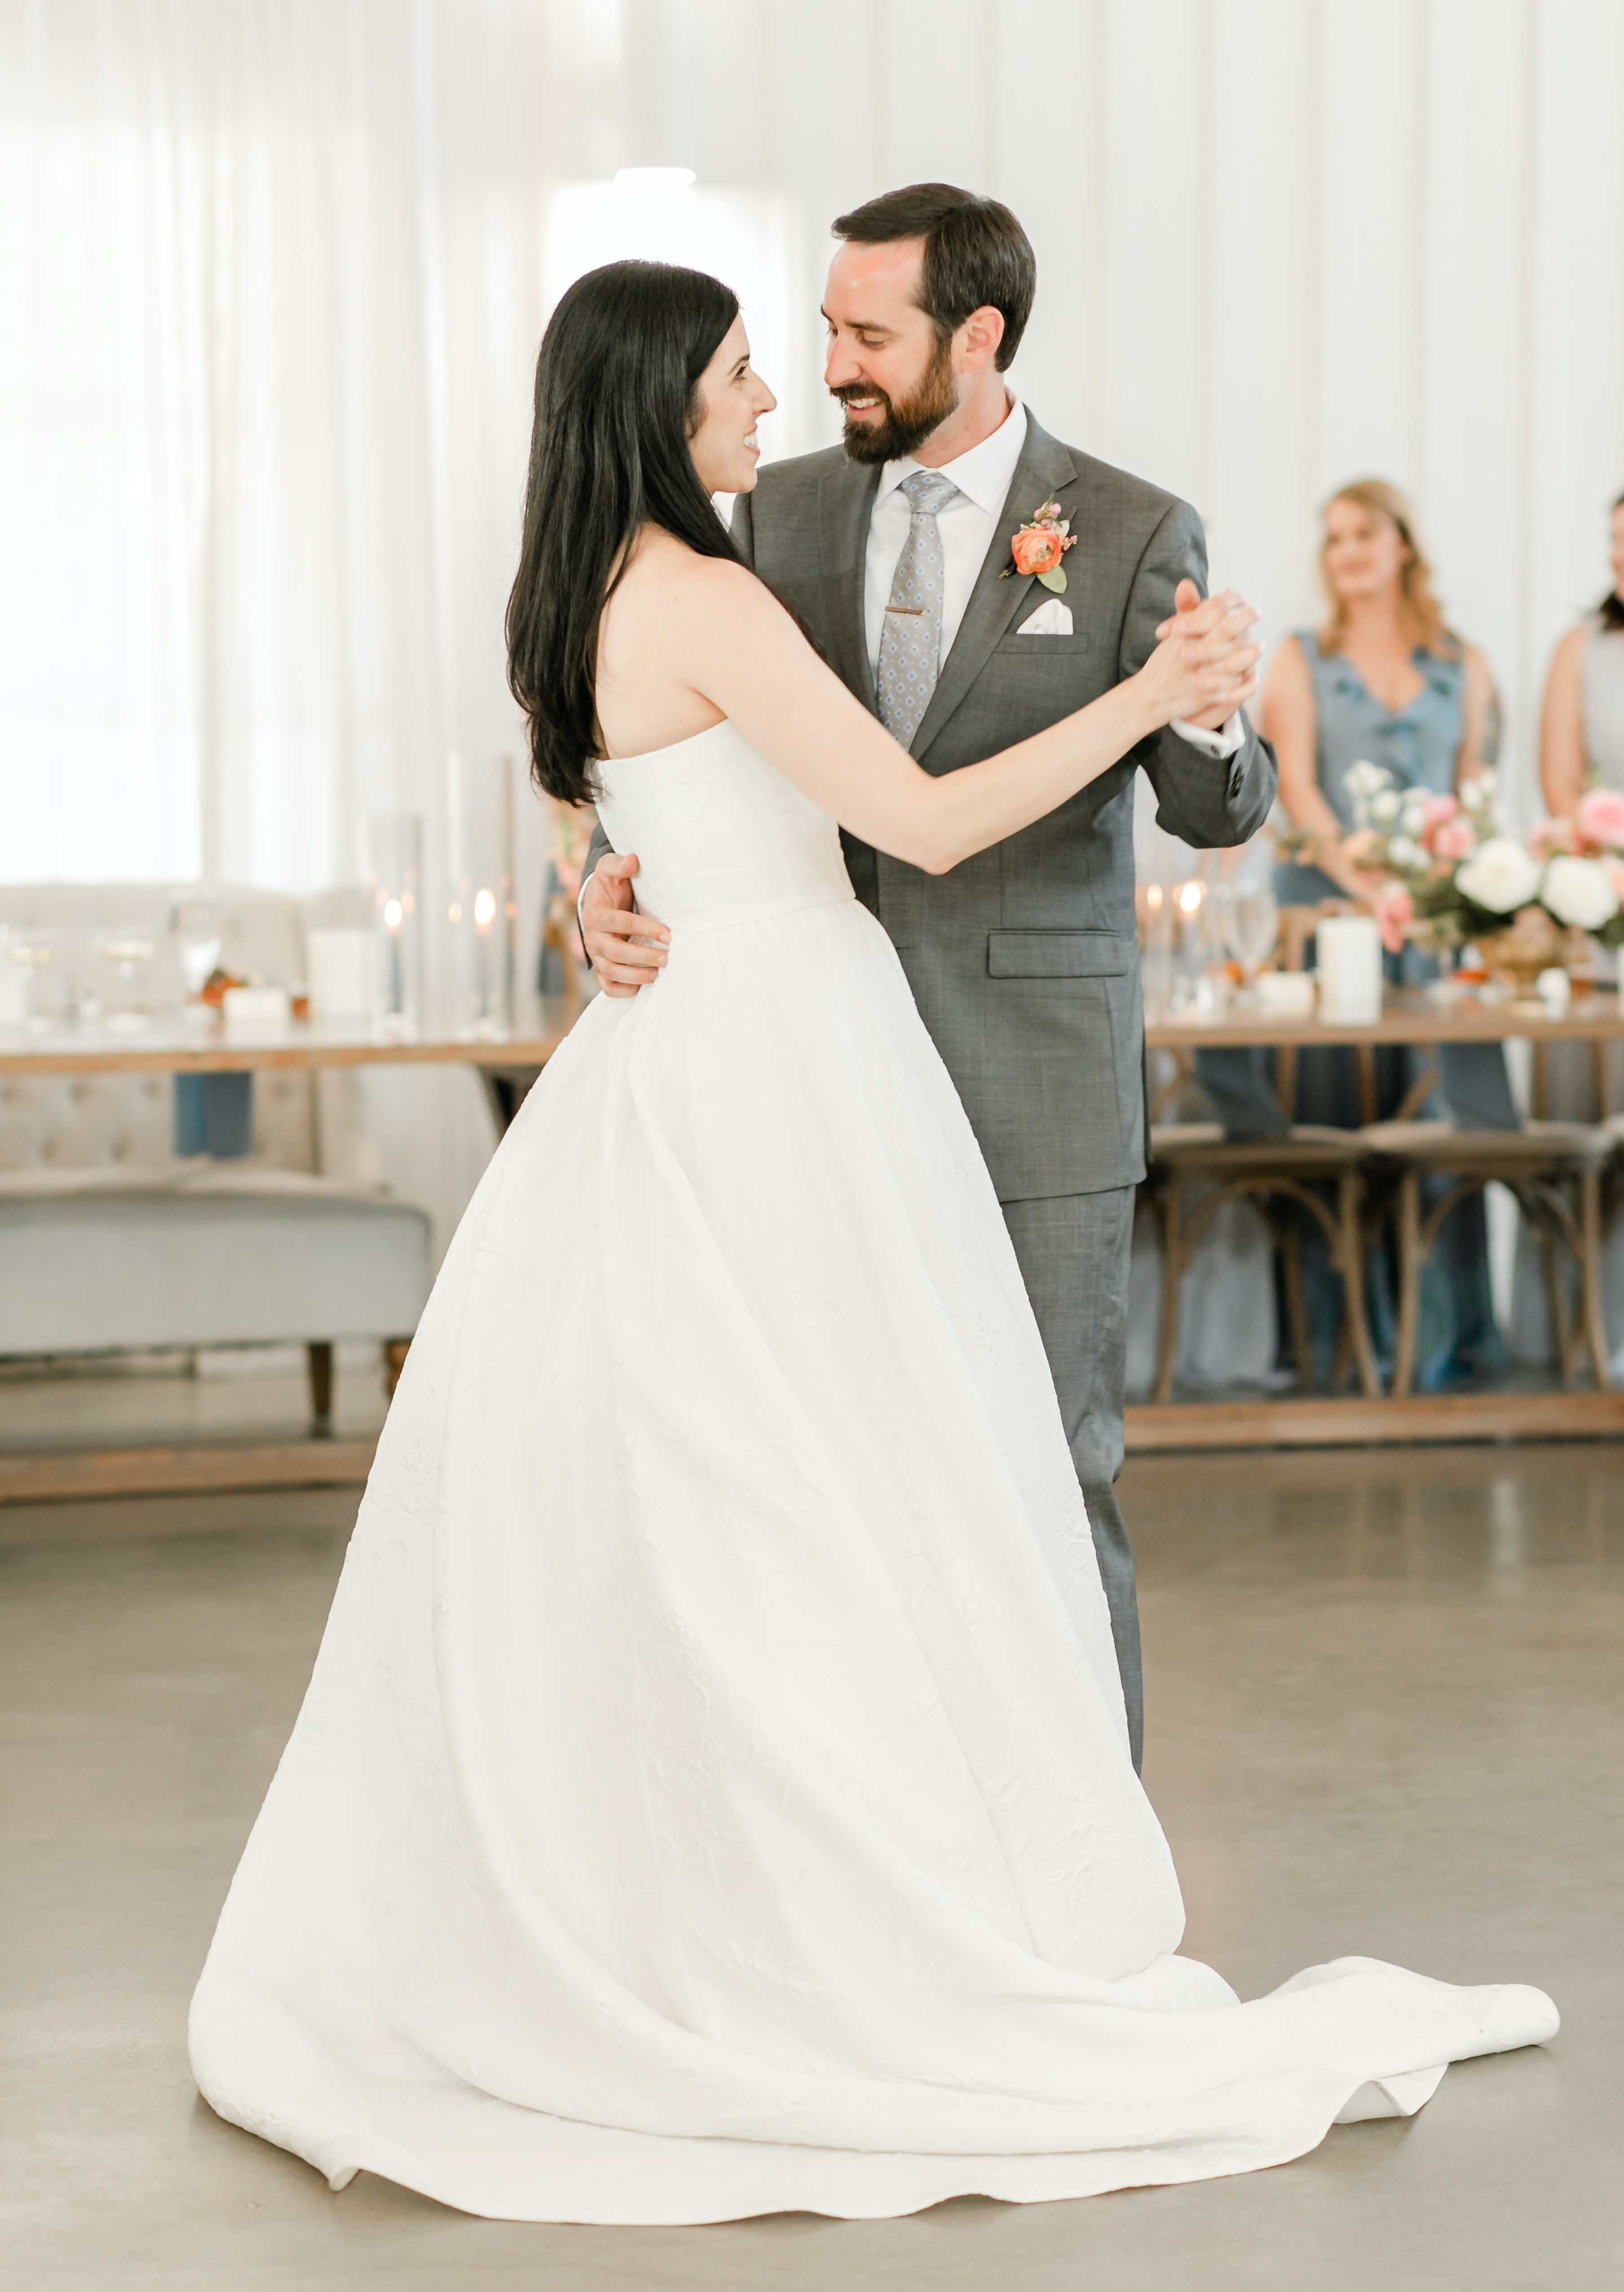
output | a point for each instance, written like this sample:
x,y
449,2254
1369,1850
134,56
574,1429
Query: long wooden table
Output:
x,y
508,1066
169,1047
1410,1015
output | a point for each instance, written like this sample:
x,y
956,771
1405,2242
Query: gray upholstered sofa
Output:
x,y
109,1242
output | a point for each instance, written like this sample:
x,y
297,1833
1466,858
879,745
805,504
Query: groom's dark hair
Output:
x,y
976,255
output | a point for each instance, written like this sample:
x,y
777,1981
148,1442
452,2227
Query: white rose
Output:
x,y
1385,807
1578,892
1365,778
1412,814
1499,875
1404,852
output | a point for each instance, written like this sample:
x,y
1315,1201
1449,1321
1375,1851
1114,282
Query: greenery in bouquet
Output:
x,y
1450,869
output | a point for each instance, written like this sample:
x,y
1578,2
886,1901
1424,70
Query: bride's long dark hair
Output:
x,y
617,401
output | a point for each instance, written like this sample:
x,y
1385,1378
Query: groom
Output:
x,y
1024,961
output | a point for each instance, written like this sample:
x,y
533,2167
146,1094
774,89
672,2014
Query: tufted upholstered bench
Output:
x,y
109,1243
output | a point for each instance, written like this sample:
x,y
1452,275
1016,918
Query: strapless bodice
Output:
x,y
720,836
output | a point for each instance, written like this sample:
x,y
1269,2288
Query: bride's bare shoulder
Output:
x,y
667,581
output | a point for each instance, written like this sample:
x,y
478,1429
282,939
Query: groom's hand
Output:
x,y
1195,616
626,949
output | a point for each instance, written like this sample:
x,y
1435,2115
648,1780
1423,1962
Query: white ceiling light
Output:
x,y
653,179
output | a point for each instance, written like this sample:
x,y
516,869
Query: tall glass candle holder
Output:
x,y
394,871
483,910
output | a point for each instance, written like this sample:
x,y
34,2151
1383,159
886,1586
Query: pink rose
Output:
x,y
1457,839
1548,836
1395,911
1036,550
1601,816
1438,808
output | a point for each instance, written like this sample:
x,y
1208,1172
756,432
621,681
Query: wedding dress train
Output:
x,y
713,1793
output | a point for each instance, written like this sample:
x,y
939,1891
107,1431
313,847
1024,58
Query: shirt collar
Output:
x,y
985,473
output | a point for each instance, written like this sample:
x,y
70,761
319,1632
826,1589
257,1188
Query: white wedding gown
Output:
x,y
713,1795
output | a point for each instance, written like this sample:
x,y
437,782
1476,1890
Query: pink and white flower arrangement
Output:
x,y
1452,870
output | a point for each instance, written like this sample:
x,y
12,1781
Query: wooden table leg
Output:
x,y
1410,1282
1351,1224
1297,1304
319,1358
1590,1273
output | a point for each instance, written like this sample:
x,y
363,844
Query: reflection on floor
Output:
x,y
254,1392
1386,1717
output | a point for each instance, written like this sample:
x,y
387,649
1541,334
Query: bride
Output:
x,y
713,1795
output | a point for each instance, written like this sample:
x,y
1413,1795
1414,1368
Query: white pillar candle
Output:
x,y
339,973
1349,970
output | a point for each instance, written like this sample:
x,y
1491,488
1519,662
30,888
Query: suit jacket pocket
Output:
x,y
1060,954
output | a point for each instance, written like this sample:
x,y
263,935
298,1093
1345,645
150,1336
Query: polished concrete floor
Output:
x,y
1386,1716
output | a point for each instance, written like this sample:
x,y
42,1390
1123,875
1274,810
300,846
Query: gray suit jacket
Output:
x,y
1024,960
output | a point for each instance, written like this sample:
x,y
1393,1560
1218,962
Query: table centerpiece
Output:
x,y
1452,873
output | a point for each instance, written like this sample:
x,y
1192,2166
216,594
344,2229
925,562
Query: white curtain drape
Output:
x,y
273,286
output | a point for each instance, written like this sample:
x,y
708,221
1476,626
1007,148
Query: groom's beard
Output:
x,y
906,423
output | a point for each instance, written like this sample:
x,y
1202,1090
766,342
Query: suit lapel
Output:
x,y
1043,471
846,503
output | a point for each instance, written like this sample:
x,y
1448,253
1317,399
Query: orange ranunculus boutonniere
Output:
x,y
1039,544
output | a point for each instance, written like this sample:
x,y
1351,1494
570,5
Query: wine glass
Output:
x,y
129,949
1246,912
1250,923
194,925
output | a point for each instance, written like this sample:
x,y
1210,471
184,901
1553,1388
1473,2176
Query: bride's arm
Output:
x,y
739,648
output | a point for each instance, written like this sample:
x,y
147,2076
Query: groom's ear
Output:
x,y
976,342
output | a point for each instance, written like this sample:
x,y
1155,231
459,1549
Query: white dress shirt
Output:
x,y
966,524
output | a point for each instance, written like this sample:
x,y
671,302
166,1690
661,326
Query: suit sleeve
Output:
x,y
595,849
1204,801
742,529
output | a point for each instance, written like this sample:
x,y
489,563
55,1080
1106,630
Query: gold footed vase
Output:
x,y
1533,942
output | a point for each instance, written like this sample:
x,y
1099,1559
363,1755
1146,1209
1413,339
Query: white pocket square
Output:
x,y
1051,619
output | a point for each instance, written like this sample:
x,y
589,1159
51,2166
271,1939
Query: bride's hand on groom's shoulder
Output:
x,y
625,948
1204,665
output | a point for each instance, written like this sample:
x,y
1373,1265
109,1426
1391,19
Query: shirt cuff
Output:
x,y
1223,742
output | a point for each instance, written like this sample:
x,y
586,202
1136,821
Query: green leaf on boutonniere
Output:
x,y
1056,580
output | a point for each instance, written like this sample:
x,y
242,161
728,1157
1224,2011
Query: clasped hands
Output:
x,y
1214,653
628,950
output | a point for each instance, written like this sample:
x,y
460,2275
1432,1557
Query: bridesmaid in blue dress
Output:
x,y
1386,680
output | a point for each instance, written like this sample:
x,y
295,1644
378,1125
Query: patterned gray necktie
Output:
x,y
910,640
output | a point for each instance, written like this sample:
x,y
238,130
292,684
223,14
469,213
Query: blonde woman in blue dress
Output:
x,y
1382,678
714,1794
